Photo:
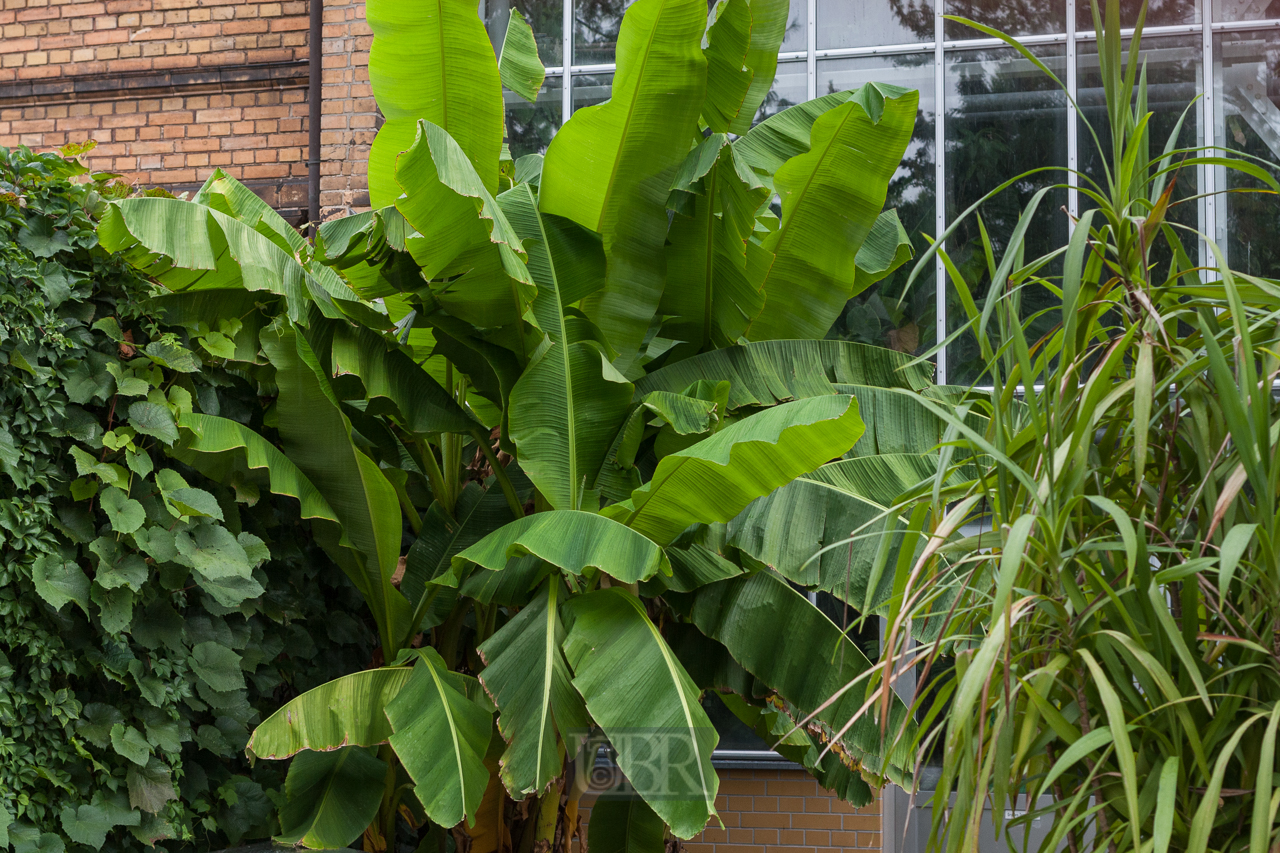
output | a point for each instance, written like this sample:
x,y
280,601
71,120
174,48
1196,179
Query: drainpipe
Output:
x,y
315,51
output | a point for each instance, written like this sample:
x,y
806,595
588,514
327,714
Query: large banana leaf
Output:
x,y
332,797
441,737
347,711
625,825
881,478
518,64
647,705
218,446
478,512
569,404
463,236
395,384
714,271
526,674
317,437
610,167
432,61
574,541
716,478
369,251
224,193
885,248
831,197
786,529
188,246
768,372
786,134
807,663
742,57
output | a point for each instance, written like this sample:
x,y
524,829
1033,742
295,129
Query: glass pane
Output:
x,y
1173,72
531,126
845,24
884,315
546,17
595,30
591,89
1004,117
797,35
790,87
1248,120
596,25
1245,10
1015,17
1159,13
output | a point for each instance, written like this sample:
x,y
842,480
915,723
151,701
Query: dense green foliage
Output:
x,y
573,378
1097,539
149,617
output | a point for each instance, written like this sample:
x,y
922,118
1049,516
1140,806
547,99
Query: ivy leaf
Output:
x,y
173,357
96,721
130,571
125,514
108,472
110,327
59,581
196,502
219,345
150,786
157,543
129,742
139,462
90,823
40,238
127,384
82,385
218,666
154,420
116,608
27,839
255,550
5,820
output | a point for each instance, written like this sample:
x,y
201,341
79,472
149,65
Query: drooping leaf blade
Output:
x,y
348,711
611,633
332,797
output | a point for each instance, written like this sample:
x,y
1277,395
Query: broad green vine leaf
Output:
x,y
572,540
526,674
217,666
155,420
653,711
742,58
332,797
441,737
346,711
831,197
625,825
89,823
518,64
569,403
716,478
432,61
59,581
610,167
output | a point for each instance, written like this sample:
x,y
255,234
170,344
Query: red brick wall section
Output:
x,y
172,89
782,811
350,118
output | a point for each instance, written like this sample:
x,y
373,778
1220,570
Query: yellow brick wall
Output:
x,y
781,811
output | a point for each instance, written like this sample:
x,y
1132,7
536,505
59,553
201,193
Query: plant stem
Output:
x,y
548,812
387,812
513,501
451,630
424,603
434,477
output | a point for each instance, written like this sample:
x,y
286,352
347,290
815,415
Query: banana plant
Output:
x,y
549,416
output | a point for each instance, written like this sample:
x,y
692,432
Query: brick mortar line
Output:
x,y
94,88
